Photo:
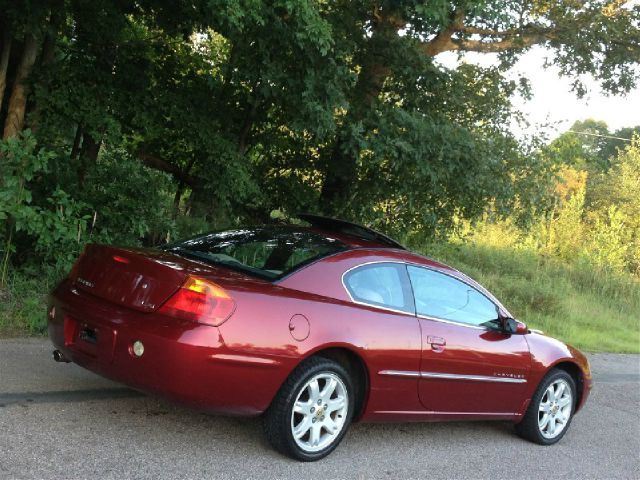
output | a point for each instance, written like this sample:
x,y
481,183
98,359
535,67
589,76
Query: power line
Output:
x,y
598,135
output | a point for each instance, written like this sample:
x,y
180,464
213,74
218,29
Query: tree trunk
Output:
x,y
157,163
49,45
181,188
75,149
48,50
4,62
18,100
176,200
88,156
199,204
341,167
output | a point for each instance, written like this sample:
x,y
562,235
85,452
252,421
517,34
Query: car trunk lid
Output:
x,y
142,279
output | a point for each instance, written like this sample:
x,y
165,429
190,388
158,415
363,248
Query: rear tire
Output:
x,y
551,409
312,411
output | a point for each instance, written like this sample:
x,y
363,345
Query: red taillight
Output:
x,y
200,301
69,329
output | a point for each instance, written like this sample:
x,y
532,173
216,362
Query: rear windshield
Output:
x,y
267,252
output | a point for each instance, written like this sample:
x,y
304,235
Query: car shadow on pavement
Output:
x,y
21,398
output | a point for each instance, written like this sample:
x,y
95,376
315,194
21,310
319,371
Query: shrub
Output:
x,y
52,227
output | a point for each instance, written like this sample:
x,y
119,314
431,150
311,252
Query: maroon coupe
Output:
x,y
314,327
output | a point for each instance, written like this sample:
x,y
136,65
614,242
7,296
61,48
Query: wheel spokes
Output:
x,y
314,438
554,409
302,428
551,394
302,407
544,421
328,389
564,401
319,412
314,390
565,413
330,426
335,404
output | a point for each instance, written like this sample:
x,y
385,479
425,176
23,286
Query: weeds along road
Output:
x,y
60,421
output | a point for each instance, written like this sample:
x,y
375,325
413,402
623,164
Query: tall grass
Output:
x,y
592,309
23,303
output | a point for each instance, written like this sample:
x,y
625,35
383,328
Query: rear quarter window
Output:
x,y
380,284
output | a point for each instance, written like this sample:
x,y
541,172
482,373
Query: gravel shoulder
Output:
x,y
60,421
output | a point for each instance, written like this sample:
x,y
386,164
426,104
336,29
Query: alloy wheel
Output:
x,y
319,412
554,410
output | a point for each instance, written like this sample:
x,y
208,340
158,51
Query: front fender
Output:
x,y
548,353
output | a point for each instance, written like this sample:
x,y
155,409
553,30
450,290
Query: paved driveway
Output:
x,y
59,421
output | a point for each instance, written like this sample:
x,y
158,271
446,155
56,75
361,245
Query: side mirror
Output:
x,y
511,325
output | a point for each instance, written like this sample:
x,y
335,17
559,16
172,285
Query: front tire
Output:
x,y
312,410
551,409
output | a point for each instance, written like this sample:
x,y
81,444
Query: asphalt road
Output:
x,y
60,421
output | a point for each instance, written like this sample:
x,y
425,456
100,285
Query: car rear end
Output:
x,y
148,318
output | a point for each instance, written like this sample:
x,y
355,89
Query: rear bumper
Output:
x,y
182,361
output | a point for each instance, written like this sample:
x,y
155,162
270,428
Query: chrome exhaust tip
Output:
x,y
58,356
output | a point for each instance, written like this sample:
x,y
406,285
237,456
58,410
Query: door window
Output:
x,y
380,284
441,296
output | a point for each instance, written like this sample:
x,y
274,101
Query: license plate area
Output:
x,y
87,339
96,341
89,335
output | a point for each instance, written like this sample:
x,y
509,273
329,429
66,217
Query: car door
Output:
x,y
386,316
469,366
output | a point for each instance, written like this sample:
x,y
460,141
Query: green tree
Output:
x,y
600,38
589,145
336,107
581,146
619,189
618,140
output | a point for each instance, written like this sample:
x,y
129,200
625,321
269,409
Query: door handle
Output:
x,y
437,343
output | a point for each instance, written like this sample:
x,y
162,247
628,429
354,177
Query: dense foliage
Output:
x,y
595,202
136,122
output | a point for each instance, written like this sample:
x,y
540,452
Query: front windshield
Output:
x,y
267,252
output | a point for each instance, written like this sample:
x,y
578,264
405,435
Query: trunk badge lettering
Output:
x,y
84,282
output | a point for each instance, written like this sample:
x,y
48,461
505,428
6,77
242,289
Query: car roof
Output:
x,y
350,233
384,254
358,236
